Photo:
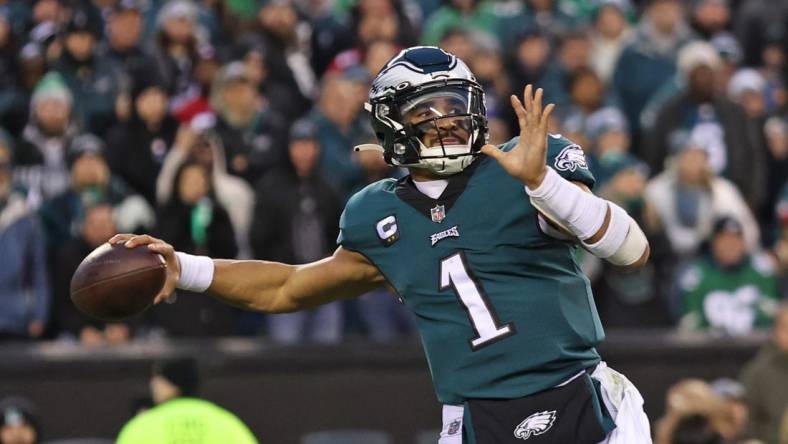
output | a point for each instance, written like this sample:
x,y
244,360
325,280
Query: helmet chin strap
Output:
x,y
446,160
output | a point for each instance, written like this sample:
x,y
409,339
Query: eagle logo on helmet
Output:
x,y
536,424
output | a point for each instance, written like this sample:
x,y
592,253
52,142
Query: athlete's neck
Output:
x,y
428,183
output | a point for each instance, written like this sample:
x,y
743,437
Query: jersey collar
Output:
x,y
408,193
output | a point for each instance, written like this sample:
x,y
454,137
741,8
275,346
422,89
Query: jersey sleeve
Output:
x,y
354,233
568,159
565,157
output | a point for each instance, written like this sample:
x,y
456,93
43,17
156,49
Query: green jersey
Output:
x,y
733,301
503,310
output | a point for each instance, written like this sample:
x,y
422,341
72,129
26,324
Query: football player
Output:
x,y
478,242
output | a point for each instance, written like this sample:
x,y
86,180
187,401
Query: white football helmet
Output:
x,y
427,111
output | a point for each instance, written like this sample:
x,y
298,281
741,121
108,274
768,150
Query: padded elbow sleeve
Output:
x,y
623,242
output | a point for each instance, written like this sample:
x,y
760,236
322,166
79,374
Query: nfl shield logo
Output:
x,y
438,213
454,427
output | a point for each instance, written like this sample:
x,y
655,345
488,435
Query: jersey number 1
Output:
x,y
455,274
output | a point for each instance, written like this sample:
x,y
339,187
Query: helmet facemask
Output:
x,y
439,126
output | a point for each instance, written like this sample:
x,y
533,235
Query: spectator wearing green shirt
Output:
x,y
477,15
179,417
729,291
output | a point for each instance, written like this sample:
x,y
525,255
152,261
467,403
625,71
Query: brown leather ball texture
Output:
x,y
114,282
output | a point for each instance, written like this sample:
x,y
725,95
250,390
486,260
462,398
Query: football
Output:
x,y
114,282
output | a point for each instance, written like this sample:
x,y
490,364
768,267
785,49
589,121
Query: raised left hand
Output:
x,y
526,161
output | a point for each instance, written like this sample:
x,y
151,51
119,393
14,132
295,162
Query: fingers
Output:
x,y
528,98
530,112
548,110
492,151
162,248
119,238
520,111
537,105
143,239
161,297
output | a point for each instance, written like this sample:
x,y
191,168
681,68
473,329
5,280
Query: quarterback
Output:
x,y
478,242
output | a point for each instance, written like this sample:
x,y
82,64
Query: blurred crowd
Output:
x,y
226,127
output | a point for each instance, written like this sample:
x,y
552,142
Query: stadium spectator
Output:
x,y
610,34
370,28
340,126
528,65
764,377
488,66
40,156
693,398
735,396
459,41
650,60
586,95
331,35
608,138
475,16
137,147
296,221
748,89
179,414
571,59
96,227
758,23
774,68
123,47
91,183
695,429
198,142
194,205
379,53
546,16
730,59
197,222
252,133
275,96
18,421
13,105
92,81
710,18
31,68
24,286
197,100
776,134
708,115
728,291
688,196
286,54
175,50
780,249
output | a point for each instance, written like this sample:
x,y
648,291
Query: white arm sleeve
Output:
x,y
583,214
623,242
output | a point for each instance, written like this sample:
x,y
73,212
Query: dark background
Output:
x,y
285,392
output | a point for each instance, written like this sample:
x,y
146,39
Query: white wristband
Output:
x,y
196,272
566,204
